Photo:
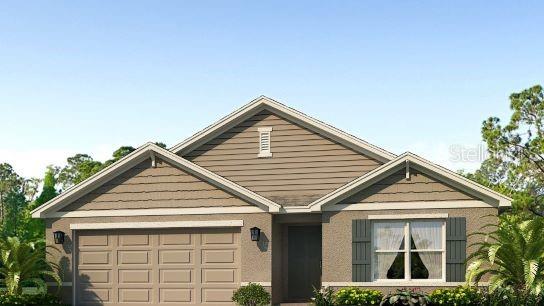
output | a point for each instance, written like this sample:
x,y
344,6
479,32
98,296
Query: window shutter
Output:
x,y
361,250
456,249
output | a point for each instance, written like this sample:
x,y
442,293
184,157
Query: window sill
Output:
x,y
398,284
264,155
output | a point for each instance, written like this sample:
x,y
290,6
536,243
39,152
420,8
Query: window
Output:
x,y
409,250
264,142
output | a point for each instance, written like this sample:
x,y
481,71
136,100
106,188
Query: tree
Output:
x,y
9,182
48,190
79,168
517,148
161,144
118,154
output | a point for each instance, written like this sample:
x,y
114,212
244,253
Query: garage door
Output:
x,y
152,267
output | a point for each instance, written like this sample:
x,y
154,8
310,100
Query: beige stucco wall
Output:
x,y
256,257
337,237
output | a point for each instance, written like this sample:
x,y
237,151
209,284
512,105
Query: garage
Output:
x,y
157,266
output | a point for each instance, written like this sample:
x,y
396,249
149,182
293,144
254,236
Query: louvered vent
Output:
x,y
265,134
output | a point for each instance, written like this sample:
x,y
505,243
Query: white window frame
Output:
x,y
407,252
263,153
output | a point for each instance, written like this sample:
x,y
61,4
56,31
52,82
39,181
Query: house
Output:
x,y
266,195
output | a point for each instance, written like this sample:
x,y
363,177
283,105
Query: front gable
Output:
x,y
304,165
153,181
410,179
419,187
151,187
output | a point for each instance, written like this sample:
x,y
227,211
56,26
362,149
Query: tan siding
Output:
x,y
165,186
304,166
396,188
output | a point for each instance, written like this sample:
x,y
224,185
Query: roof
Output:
x,y
147,151
391,164
262,103
421,164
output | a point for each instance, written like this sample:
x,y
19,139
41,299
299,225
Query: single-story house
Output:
x,y
267,195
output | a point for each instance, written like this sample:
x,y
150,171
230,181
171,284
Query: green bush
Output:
x,y
405,297
460,296
509,297
323,296
30,300
357,296
251,295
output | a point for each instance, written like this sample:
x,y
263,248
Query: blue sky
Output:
x,y
421,76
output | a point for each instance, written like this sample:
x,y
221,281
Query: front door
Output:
x,y
304,261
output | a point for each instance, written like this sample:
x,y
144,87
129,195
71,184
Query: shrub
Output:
x,y
357,296
511,256
509,297
30,300
323,296
460,296
23,263
251,295
405,297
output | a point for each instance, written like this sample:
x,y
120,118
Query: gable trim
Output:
x,y
164,224
412,205
139,155
221,210
262,103
491,197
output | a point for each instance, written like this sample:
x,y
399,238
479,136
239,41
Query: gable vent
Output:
x,y
264,142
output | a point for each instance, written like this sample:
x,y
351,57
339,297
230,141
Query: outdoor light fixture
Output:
x,y
255,233
59,237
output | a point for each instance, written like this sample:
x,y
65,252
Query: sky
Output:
x,y
420,76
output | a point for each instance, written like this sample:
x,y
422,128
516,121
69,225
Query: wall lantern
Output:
x,y
59,237
255,233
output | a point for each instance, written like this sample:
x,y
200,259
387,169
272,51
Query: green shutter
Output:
x,y
456,249
361,250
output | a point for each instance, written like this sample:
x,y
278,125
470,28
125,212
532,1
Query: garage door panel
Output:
x,y
217,238
95,258
218,256
134,276
135,295
216,295
176,240
95,277
178,295
155,267
134,257
93,241
134,240
176,257
218,275
172,276
95,295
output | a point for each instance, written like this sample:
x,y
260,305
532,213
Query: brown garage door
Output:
x,y
152,267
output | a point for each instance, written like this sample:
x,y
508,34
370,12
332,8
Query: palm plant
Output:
x,y
512,256
24,263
